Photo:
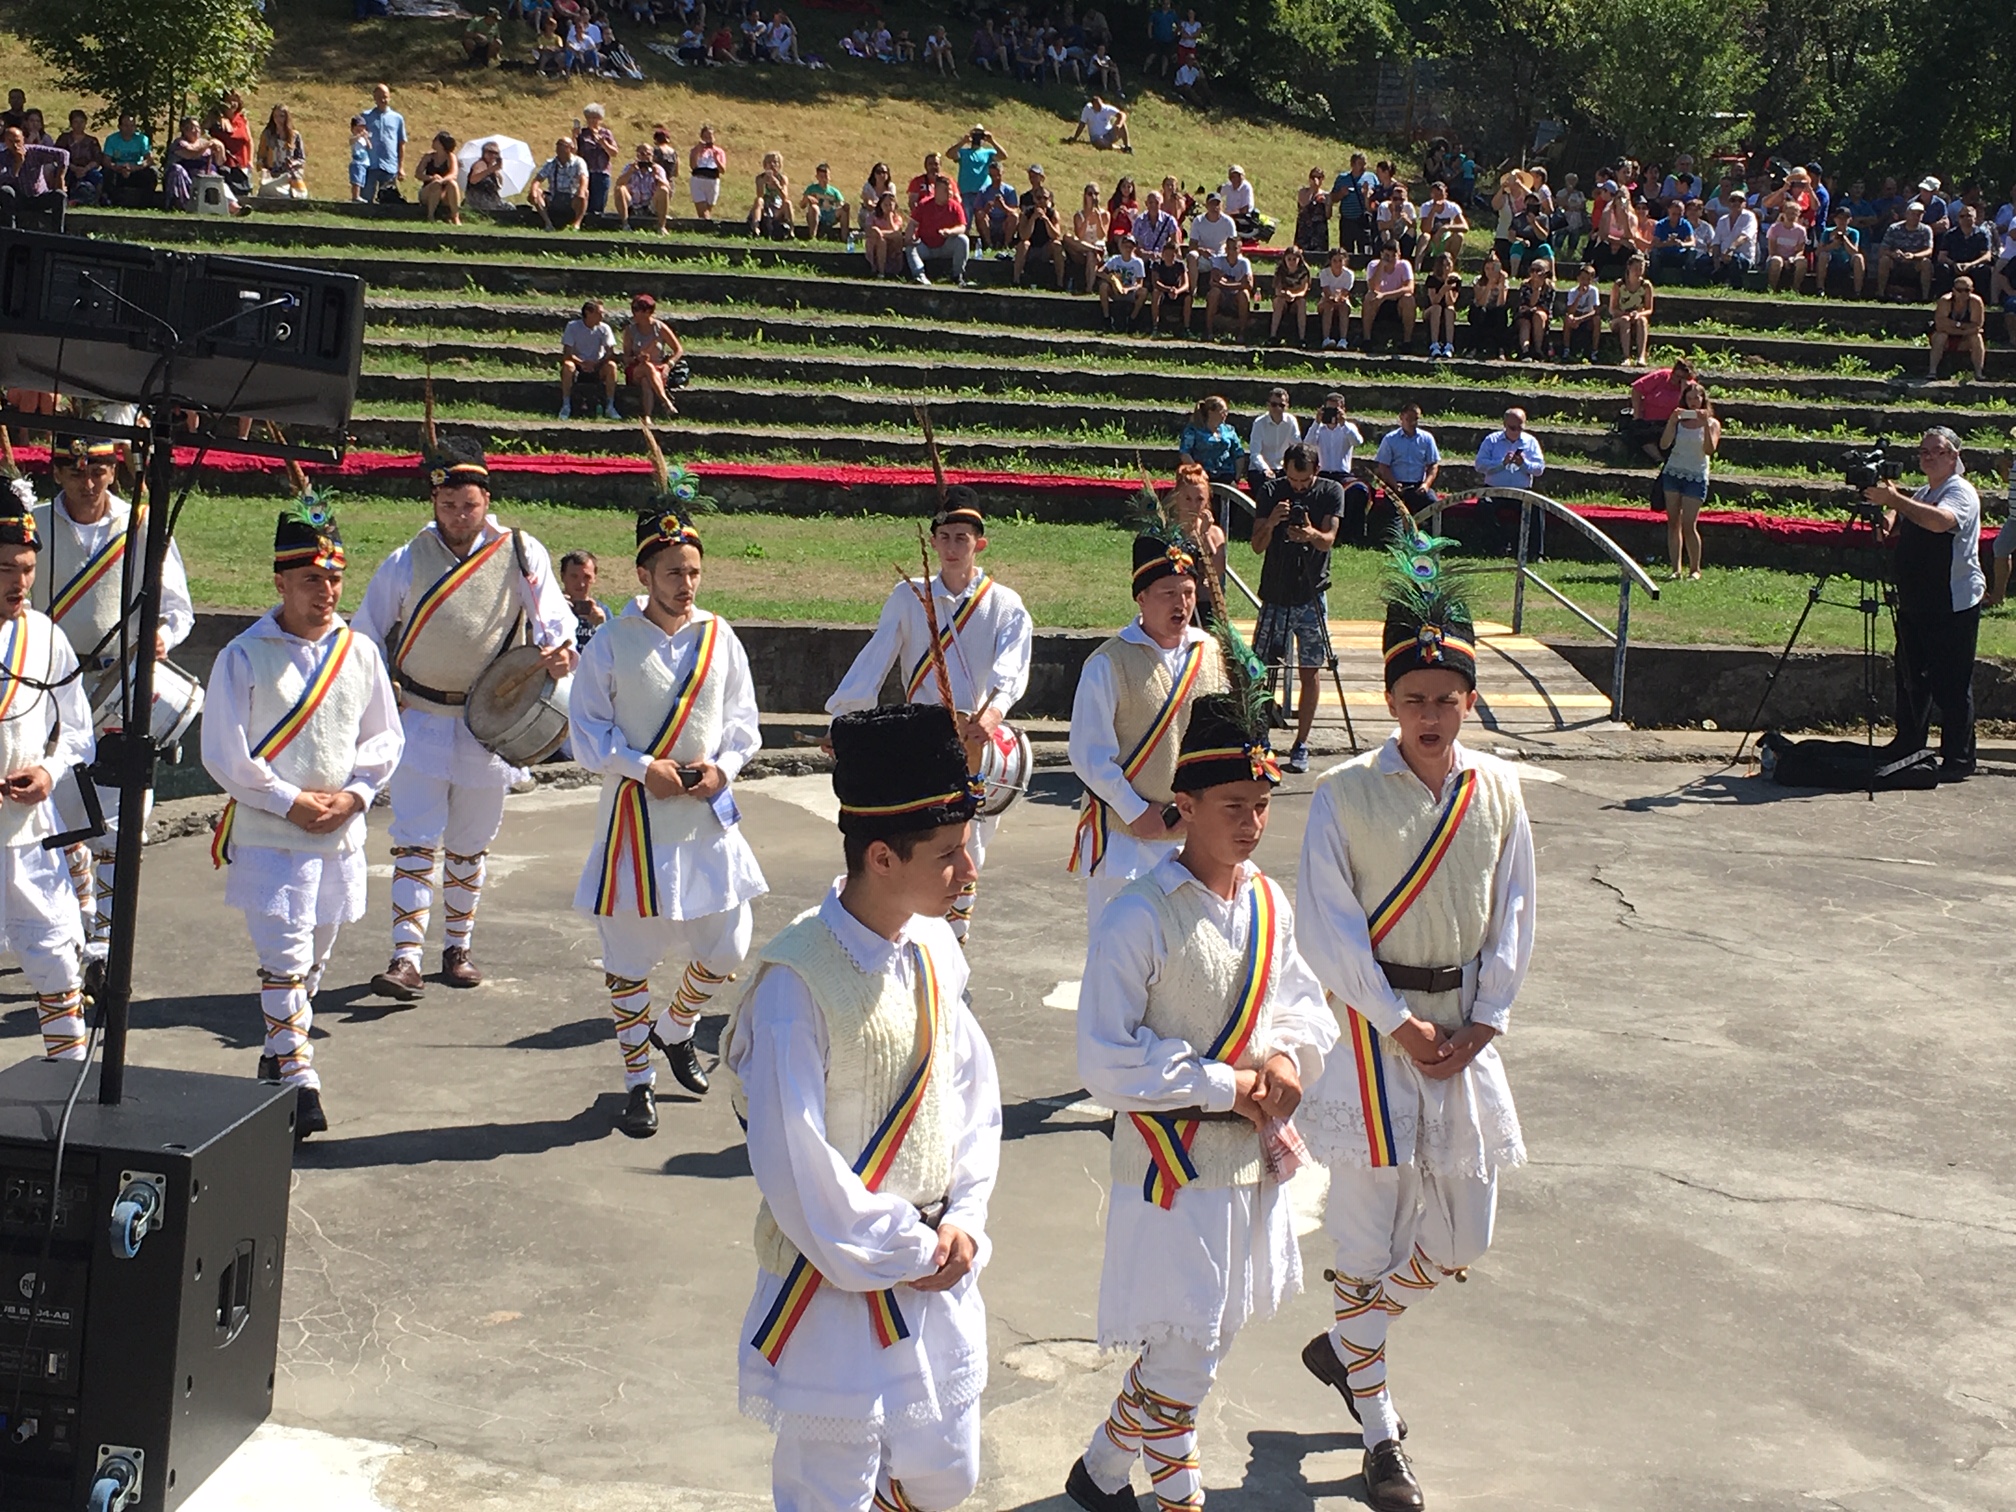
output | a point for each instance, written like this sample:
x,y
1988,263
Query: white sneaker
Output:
x,y
1329,345
566,411
609,412
1343,345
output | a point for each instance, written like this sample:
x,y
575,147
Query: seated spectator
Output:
x,y
1581,316
1967,251
1490,309
1959,322
878,183
1292,277
1040,234
1736,243
1511,457
884,235
827,213
128,160
1211,443
234,132
920,184
1105,73
1233,289
1533,310
770,214
1444,223
584,45
1390,282
1121,209
439,175
721,46
692,48
1175,202
85,178
1105,126
642,190
1907,250
578,571
588,349
1408,462
1169,287
938,54
754,35
1057,62
483,39
281,161
1029,56
192,155
1190,86
1237,194
938,231
1154,225
882,43
999,213
1208,235
1333,305
1631,300
1086,245
484,183
1785,251
782,40
549,49
1841,251
1530,233
1122,281
1573,207
31,181
1617,233
35,129
989,53
651,348
1395,219
1673,240
559,189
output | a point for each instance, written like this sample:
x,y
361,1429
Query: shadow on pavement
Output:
x,y
464,1142
711,1165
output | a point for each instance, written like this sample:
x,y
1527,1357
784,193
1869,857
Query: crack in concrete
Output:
x,y
1600,880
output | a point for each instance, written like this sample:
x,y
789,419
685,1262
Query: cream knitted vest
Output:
x,y
1143,684
465,633
1191,999
644,691
1387,818
871,1049
321,757
63,556
25,732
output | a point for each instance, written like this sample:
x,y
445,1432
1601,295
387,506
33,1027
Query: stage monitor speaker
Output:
x,y
166,1357
75,318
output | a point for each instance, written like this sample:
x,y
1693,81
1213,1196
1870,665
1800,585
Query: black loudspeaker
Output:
x,y
166,1357
86,317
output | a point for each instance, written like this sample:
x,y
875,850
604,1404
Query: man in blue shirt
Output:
x,y
387,131
1843,248
1672,238
1352,195
1511,458
998,208
1407,462
1161,38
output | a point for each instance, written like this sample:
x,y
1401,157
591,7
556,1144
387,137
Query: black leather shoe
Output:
x,y
269,1068
1389,1480
685,1062
1319,1357
1081,1488
308,1115
1955,771
640,1115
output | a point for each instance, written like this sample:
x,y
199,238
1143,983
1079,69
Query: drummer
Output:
x,y
665,709
986,635
442,607
83,570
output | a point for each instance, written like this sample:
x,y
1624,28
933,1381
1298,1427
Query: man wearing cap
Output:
x,y
973,154
1200,1023
301,730
1907,245
985,634
1417,889
874,1126
664,708
1133,702
84,536
1123,278
1210,233
442,608
45,731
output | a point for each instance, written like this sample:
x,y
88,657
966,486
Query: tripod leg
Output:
x,y
1350,730
1812,598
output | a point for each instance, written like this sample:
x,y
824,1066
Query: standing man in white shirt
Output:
x,y
1133,702
1271,434
1510,457
986,635
589,348
441,608
302,732
664,708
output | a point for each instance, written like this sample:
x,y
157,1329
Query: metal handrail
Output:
x,y
1628,574
1228,495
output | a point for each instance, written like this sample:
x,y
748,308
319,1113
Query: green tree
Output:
x,y
155,59
1656,74
1292,53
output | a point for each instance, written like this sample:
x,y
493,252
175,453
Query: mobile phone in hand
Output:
x,y
692,776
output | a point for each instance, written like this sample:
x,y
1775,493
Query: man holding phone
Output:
x,y
1295,529
664,708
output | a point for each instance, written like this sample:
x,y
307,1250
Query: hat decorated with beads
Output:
x,y
306,536
1427,622
899,769
17,519
664,525
667,519
1225,742
79,450
1160,554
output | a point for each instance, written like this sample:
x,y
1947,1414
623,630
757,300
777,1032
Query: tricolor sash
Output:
x,y
872,1166
628,842
1371,1061
1096,816
438,593
291,724
100,562
960,620
13,662
1169,1138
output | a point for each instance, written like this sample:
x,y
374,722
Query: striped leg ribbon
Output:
x,y
630,1002
283,1001
461,886
412,899
78,858
1123,1423
63,1032
1169,1445
1364,1314
696,990
105,872
1416,1276
891,1499
960,914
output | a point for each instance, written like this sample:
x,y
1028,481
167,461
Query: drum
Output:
x,y
1005,768
178,699
516,710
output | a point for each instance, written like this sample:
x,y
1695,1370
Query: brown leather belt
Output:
x,y
1422,978
431,695
1198,1115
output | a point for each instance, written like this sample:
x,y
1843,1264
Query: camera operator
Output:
x,y
1295,533
1937,533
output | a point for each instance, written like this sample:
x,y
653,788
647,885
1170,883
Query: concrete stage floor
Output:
x,y
1762,1060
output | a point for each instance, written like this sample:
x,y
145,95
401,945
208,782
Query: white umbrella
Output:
x,y
519,164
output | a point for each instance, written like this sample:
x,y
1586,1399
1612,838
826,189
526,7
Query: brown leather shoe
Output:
x,y
457,970
401,981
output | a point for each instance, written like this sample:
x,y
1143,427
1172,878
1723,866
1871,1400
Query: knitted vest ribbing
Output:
x,y
321,757
1142,683
465,633
645,686
63,556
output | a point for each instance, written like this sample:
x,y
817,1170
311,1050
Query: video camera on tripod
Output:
x,y
1866,466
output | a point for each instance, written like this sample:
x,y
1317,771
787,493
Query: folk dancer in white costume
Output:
x,y
1199,1023
45,732
78,583
874,1118
441,608
301,731
1127,721
986,634
1417,886
663,707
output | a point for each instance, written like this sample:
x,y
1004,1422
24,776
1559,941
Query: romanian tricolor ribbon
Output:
x,y
628,843
100,562
1371,1061
872,1166
291,724
439,592
13,662
960,619
1170,1168
1094,820
1260,759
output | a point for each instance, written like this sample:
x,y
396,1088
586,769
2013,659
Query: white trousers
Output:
x,y
711,947
978,837
1154,1419
293,951
430,814
933,1467
39,914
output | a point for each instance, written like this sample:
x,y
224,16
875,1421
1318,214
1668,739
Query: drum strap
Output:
x,y
291,724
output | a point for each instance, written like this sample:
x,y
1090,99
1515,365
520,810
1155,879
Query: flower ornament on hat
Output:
x,y
1161,553
1226,739
667,518
306,536
960,506
1427,621
17,521
79,450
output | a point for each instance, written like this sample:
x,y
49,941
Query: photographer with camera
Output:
x,y
1294,529
1936,531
